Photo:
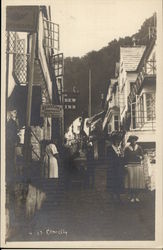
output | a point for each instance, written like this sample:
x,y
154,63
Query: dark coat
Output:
x,y
115,171
131,156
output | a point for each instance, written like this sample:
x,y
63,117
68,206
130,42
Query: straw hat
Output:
x,y
132,137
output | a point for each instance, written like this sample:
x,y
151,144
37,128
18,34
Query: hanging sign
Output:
x,y
51,110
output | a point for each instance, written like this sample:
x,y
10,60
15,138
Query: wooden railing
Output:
x,y
148,70
143,120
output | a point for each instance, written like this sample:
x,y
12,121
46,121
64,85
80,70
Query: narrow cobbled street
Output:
x,y
83,214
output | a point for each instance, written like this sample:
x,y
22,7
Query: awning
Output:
x,y
94,118
111,90
108,113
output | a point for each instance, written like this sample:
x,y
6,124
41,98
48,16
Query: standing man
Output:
x,y
115,168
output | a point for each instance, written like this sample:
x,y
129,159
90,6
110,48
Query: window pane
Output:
x,y
150,106
116,122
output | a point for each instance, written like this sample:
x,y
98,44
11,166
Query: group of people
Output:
x,y
125,168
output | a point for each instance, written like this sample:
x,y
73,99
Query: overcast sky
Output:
x,y
87,25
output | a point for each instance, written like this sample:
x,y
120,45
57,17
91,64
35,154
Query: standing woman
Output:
x,y
115,168
50,159
133,156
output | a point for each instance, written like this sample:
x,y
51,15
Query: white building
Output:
x,y
129,60
130,101
141,99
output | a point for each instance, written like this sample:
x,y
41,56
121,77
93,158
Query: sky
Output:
x,y
87,25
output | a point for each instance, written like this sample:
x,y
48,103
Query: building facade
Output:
x,y
142,100
34,83
34,75
130,101
112,105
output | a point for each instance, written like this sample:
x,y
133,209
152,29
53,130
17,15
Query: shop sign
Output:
x,y
51,110
70,101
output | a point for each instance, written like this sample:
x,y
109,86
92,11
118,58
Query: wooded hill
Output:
x,y
102,64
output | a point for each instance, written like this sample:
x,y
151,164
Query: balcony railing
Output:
x,y
148,70
150,67
143,120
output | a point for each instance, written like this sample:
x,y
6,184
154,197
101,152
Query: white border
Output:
x,y
158,243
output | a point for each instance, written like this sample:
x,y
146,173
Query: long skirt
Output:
x,y
134,178
51,167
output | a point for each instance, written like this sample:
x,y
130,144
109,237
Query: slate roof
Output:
x,y
131,57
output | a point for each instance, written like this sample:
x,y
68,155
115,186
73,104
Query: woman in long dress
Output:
x,y
135,181
50,159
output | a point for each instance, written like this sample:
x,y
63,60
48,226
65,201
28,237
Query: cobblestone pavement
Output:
x,y
84,214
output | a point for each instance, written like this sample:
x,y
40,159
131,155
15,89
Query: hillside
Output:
x,y
102,65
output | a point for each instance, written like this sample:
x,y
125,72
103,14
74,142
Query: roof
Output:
x,y
147,51
131,57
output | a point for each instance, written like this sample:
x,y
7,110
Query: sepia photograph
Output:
x,y
81,146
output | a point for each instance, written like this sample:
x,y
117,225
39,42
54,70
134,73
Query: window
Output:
x,y
57,63
51,35
133,115
143,110
122,99
109,128
116,122
150,106
131,85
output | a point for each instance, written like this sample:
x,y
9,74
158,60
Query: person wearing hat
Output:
x,y
133,156
115,168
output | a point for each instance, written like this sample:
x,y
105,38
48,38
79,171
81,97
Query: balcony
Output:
x,y
143,120
148,72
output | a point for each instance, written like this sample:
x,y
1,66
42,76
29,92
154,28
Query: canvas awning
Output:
x,y
107,115
94,119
